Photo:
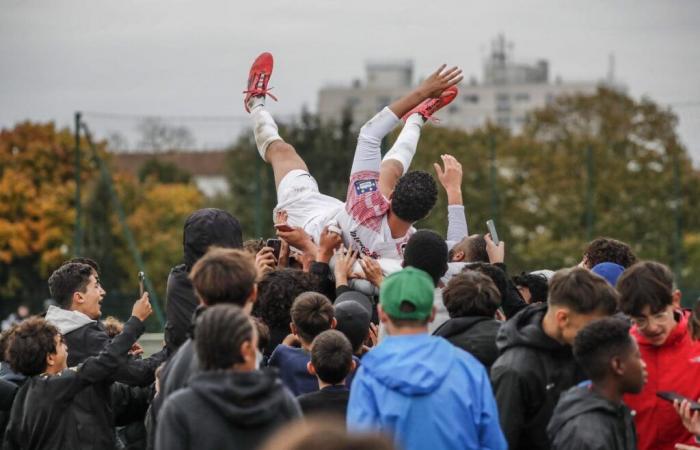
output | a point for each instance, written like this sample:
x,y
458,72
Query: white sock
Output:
x,y
405,146
264,127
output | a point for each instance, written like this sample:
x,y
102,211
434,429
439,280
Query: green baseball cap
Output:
x,y
407,294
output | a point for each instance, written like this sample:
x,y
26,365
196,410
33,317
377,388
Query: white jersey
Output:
x,y
364,222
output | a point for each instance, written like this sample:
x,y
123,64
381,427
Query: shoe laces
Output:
x,y
257,90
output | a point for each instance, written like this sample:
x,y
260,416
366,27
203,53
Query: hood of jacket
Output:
x,y
459,325
525,330
411,364
579,400
66,320
207,227
243,398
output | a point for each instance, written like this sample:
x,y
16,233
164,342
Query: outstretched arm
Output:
x,y
431,87
451,180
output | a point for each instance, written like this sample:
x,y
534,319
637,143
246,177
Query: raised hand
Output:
x,y
372,269
440,80
497,253
142,308
450,178
265,261
344,261
329,241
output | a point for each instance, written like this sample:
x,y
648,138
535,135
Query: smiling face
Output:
x,y
89,301
655,327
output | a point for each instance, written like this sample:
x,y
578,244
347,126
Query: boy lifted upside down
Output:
x,y
383,200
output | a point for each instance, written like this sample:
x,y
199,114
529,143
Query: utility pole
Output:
x,y
494,181
78,233
677,213
590,195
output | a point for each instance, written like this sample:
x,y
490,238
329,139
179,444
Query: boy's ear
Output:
x,y
382,315
562,315
253,296
353,366
334,323
617,365
676,298
248,351
458,256
311,369
77,298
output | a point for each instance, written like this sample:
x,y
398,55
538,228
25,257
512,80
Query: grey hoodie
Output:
x,y
66,320
584,420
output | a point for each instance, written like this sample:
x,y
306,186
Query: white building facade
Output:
x,y
506,93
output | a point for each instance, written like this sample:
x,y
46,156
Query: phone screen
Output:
x,y
275,245
492,230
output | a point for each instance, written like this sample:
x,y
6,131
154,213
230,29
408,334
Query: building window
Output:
x,y
522,97
471,98
503,121
453,109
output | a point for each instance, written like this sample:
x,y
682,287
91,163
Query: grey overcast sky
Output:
x,y
177,57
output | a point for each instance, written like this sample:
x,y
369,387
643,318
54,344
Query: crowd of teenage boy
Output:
x,y
308,344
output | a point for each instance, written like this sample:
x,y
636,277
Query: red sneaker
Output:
x,y
430,106
258,77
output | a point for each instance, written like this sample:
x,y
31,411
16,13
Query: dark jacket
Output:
x,y
122,403
48,410
203,228
511,301
329,400
225,410
528,377
583,420
180,304
476,335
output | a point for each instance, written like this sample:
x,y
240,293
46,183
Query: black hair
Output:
x,y
647,283
414,196
582,291
473,247
598,342
603,249
536,283
276,293
471,293
68,279
331,355
219,333
83,260
312,313
29,345
427,251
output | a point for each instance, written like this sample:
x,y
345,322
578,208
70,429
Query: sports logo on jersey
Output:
x,y
365,186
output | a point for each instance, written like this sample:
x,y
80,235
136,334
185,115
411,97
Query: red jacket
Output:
x,y
673,366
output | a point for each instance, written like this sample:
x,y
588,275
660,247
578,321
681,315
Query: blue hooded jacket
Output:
x,y
427,393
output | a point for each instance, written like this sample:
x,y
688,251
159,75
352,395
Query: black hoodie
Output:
x,y
584,420
528,377
474,334
203,229
225,410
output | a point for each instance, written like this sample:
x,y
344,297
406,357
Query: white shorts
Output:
x,y
306,207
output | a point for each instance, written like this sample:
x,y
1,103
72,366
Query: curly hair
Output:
x,y
414,196
68,279
598,342
30,343
427,251
276,293
602,250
